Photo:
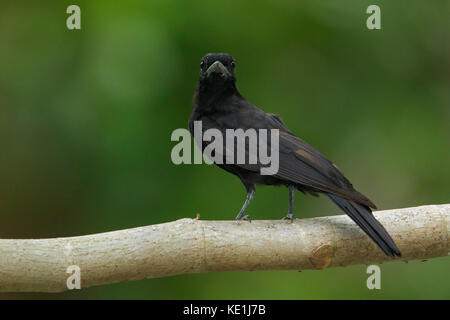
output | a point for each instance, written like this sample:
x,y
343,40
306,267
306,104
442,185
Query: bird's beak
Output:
x,y
219,68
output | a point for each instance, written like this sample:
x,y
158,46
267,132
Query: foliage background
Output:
x,y
86,118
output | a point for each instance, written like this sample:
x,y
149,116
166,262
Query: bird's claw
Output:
x,y
246,218
290,217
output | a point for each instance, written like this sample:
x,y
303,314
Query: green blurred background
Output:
x,y
86,118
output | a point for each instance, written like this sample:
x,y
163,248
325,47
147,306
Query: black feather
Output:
x,y
363,217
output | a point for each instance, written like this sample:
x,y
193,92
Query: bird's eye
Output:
x,y
232,64
202,64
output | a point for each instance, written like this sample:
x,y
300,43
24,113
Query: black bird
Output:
x,y
219,105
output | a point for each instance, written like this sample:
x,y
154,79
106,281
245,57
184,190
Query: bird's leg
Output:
x,y
241,216
290,215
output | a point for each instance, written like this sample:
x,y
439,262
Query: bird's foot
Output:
x,y
290,217
246,218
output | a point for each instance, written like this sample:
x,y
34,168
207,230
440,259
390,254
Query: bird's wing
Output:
x,y
301,163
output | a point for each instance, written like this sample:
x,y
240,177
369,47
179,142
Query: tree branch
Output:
x,y
196,246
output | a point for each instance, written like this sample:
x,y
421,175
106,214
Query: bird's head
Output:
x,y
217,69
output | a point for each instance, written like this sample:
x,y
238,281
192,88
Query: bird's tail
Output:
x,y
363,217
